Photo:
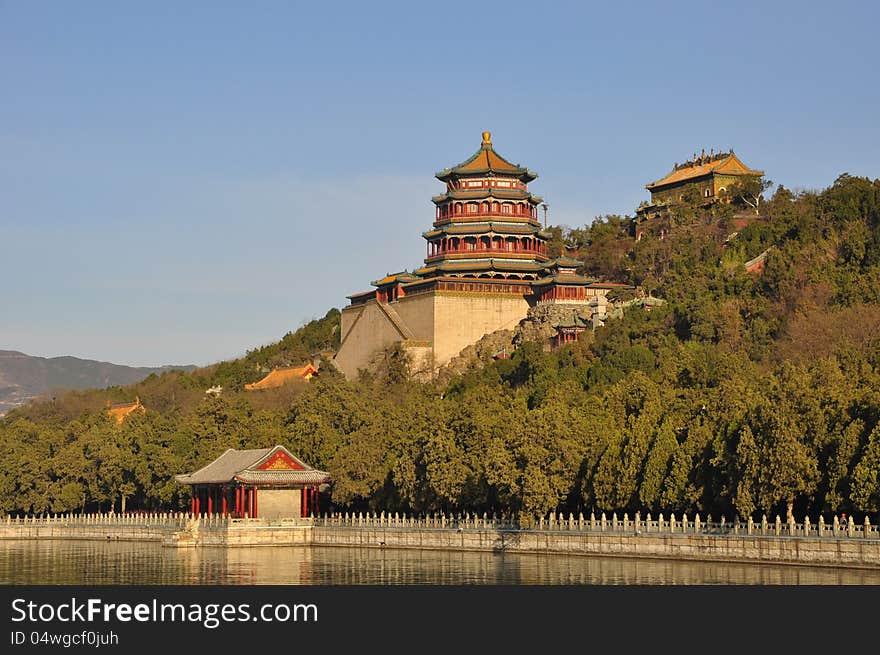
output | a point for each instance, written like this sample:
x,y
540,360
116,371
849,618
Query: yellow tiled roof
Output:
x,y
120,410
730,165
490,159
486,159
280,376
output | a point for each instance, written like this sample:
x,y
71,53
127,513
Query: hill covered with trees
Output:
x,y
746,392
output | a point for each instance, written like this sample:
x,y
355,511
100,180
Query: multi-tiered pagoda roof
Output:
x,y
486,223
485,161
486,236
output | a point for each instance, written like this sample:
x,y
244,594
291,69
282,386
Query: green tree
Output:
x,y
866,476
662,450
840,465
749,191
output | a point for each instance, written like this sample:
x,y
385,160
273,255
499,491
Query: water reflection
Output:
x,y
86,562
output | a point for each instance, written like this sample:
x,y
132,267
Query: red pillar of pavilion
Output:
x,y
223,491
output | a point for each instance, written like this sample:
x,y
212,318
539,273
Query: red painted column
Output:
x,y
255,501
238,501
192,505
210,503
302,502
225,508
198,502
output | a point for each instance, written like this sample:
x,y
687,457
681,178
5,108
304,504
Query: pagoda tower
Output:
x,y
486,223
486,265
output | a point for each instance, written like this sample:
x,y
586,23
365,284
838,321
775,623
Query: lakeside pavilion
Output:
x,y
258,483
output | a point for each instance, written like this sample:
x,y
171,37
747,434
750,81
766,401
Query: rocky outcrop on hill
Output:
x,y
539,324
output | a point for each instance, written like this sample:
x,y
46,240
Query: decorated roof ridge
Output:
x,y
433,281
461,260
486,192
245,465
567,261
486,160
569,279
492,263
225,466
573,279
478,280
275,449
281,478
703,158
723,163
481,228
484,264
490,253
465,219
390,278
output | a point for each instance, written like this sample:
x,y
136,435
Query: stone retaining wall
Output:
x,y
682,539
777,550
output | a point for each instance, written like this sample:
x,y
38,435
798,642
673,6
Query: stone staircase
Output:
x,y
396,321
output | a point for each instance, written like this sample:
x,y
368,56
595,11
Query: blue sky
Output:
x,y
181,182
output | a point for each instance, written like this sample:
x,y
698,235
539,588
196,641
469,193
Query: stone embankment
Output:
x,y
808,543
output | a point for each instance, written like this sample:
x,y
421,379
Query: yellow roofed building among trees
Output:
x,y
121,410
702,180
281,376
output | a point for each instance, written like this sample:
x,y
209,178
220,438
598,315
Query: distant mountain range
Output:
x,y
24,377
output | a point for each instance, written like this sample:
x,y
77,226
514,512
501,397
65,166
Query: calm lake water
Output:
x,y
94,563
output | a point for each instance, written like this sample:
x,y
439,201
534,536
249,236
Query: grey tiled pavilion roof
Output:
x,y
241,466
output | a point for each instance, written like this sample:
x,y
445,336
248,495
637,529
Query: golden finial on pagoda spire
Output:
x,y
487,138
